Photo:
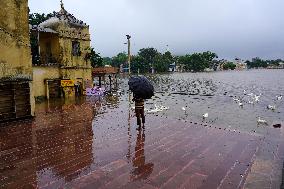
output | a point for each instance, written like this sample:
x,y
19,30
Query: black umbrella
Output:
x,y
141,87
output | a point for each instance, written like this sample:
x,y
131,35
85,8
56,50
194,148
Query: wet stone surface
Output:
x,y
95,143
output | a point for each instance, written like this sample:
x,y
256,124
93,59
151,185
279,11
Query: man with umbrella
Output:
x,y
139,109
142,89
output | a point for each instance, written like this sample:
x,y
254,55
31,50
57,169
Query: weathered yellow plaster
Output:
x,y
71,67
40,75
15,52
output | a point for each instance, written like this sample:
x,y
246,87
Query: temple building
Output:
x,y
62,68
16,93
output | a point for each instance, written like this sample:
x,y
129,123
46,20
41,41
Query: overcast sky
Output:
x,y
230,28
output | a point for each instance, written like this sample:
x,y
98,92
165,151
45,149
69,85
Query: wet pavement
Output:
x,y
95,143
67,146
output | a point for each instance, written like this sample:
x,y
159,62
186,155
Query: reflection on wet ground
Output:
x,y
94,142
56,145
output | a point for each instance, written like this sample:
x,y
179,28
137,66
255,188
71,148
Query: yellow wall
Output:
x,y
54,44
67,35
80,75
40,74
82,68
71,67
15,56
15,51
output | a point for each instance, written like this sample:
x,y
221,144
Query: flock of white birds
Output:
x,y
253,99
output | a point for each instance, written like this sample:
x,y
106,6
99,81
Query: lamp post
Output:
x,y
129,55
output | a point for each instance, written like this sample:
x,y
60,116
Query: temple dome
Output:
x,y
63,17
50,23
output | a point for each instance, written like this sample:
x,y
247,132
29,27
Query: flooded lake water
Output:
x,y
74,137
217,94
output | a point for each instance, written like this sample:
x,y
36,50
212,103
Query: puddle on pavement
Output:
x,y
71,138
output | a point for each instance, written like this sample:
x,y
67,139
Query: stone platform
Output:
x,y
64,150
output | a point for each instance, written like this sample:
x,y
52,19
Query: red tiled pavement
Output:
x,y
190,156
62,150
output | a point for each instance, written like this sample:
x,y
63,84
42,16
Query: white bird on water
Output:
x,y
241,104
256,98
205,115
270,107
279,97
158,109
236,100
164,108
261,121
250,102
183,108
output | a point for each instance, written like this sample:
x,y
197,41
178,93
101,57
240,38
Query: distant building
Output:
x,y
221,64
63,43
240,64
16,91
273,66
172,67
180,68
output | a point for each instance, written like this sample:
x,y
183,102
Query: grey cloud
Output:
x,y
242,28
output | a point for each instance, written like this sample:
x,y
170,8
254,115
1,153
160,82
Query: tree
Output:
x,y
229,65
107,61
94,57
197,62
36,18
168,55
148,56
163,61
257,63
120,58
208,58
248,64
137,65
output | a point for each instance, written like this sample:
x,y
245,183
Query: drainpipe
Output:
x,y
47,90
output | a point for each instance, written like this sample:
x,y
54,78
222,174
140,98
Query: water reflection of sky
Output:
x,y
71,138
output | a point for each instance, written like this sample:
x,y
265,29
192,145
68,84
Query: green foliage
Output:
x,y
36,18
120,58
198,61
107,61
257,63
208,58
94,57
137,65
147,56
162,62
229,66
274,62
